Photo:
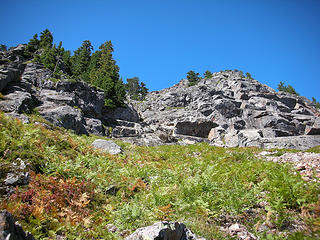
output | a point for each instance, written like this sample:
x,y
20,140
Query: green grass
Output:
x,y
197,184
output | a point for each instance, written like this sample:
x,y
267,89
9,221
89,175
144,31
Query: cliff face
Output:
x,y
225,110
230,110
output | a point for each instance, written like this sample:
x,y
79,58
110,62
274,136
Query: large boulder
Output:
x,y
164,231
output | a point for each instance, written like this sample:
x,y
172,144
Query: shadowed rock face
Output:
x,y
9,229
197,128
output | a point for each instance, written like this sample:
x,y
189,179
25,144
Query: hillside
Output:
x,y
227,109
212,159
76,192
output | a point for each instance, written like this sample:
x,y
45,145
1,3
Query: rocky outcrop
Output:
x,y
225,110
231,110
30,87
10,229
164,231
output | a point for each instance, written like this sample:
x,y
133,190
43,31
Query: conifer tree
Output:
x,y
249,75
46,39
3,47
193,78
288,89
106,76
81,58
136,90
33,44
208,74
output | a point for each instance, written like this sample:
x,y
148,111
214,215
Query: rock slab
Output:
x,y
108,146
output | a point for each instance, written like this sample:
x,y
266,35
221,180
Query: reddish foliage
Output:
x,y
67,200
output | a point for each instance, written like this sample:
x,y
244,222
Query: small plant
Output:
x,y
1,96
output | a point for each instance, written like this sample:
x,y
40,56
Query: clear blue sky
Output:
x,y
160,40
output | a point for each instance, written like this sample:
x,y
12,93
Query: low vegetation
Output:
x,y
77,192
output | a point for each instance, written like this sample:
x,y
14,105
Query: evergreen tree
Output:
x,y
193,78
315,102
48,58
106,76
46,39
135,89
33,44
249,75
3,47
143,90
289,89
208,74
81,58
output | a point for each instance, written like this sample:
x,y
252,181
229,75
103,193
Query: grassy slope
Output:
x,y
77,191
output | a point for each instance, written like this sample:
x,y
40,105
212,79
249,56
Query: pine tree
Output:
x,y
48,58
315,102
133,87
143,90
136,90
249,75
33,44
208,74
3,47
193,78
289,89
106,76
81,58
46,39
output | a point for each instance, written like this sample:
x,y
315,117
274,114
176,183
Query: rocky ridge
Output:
x,y
231,110
226,110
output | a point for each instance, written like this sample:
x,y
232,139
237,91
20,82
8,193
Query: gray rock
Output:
x,y
10,74
303,142
10,229
94,126
17,178
314,129
198,128
17,102
164,231
127,114
36,75
108,146
89,99
64,116
233,111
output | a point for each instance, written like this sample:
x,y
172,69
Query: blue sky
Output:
x,y
160,41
